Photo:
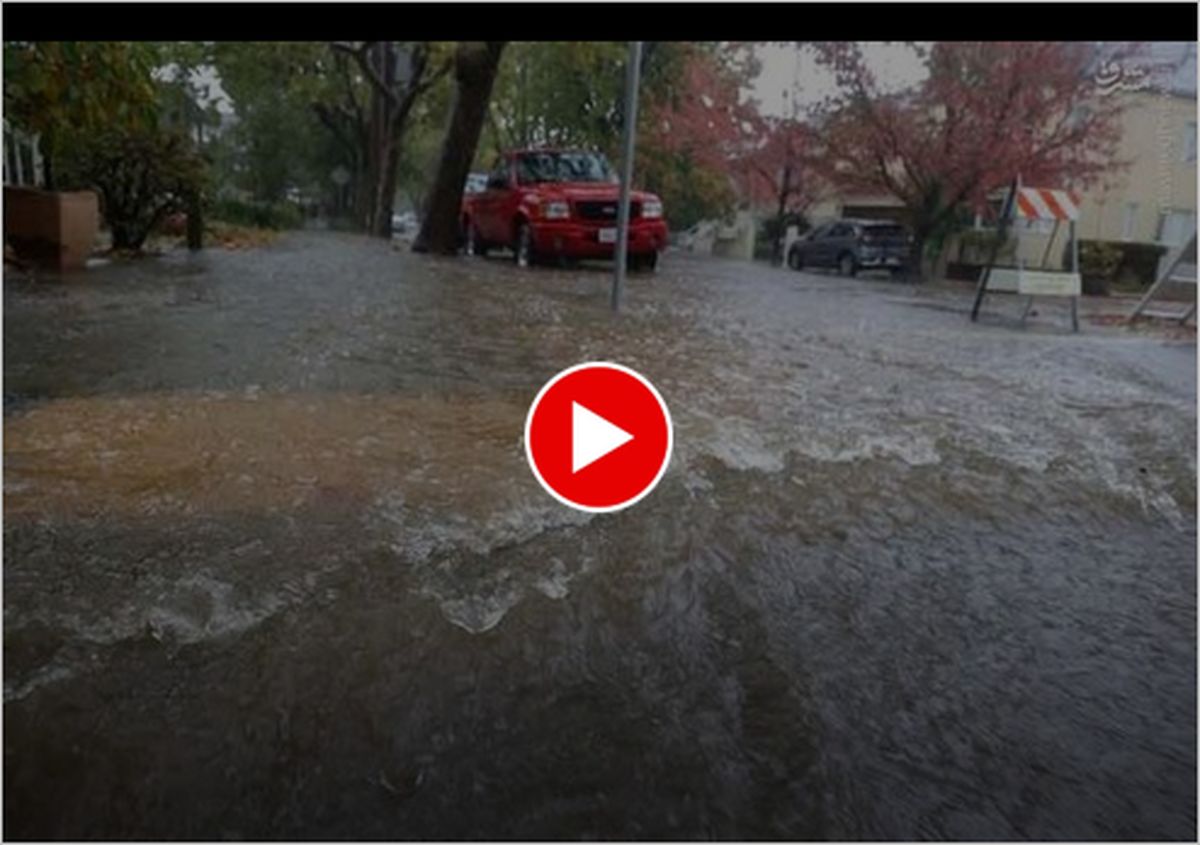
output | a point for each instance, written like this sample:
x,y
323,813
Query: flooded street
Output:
x,y
275,564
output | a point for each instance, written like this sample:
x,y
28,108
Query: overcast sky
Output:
x,y
788,67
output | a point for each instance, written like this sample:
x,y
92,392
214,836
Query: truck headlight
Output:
x,y
556,210
652,209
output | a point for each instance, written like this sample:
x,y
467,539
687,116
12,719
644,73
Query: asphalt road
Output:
x,y
274,565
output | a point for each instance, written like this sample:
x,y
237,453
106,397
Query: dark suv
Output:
x,y
852,245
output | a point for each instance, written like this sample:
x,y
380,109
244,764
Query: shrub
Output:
x,y
1098,264
262,215
1108,264
975,246
769,228
141,175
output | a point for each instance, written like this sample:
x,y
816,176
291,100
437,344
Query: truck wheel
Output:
x,y
473,245
846,265
523,247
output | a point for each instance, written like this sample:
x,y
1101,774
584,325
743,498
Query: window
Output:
x,y
564,167
499,175
1189,142
1129,221
1175,227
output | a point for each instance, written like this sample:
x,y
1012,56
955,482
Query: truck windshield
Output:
x,y
564,167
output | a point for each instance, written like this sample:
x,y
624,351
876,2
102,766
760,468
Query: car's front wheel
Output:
x,y
473,246
847,265
523,245
647,263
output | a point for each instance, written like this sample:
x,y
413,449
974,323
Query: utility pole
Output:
x,y
632,71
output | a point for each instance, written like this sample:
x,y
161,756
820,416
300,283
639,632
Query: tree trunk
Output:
x,y
912,266
195,223
476,65
780,214
381,189
379,132
392,97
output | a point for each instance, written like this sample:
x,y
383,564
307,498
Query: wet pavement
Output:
x,y
274,564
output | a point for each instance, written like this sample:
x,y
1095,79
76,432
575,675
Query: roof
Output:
x,y
867,221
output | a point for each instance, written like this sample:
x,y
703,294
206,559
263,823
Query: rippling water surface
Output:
x,y
275,565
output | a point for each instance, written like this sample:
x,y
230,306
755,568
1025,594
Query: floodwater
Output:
x,y
274,564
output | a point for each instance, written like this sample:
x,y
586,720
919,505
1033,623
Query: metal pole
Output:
x,y
1001,231
632,70
1075,269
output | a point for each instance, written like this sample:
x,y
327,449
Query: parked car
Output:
x,y
851,245
560,203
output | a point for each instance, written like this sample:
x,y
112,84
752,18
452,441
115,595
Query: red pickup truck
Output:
x,y
561,203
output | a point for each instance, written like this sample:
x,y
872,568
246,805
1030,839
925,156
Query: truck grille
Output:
x,y
605,210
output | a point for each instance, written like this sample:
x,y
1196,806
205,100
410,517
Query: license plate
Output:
x,y
607,236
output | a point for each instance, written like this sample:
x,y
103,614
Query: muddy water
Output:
x,y
275,567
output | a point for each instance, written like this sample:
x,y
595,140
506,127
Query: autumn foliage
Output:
x,y
694,136
986,112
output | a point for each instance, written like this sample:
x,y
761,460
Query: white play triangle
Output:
x,y
592,437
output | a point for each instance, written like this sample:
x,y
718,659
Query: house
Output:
x,y
1154,201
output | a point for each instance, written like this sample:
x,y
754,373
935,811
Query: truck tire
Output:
x,y
472,246
523,252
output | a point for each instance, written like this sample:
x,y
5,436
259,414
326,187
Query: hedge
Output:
x,y
1124,265
263,215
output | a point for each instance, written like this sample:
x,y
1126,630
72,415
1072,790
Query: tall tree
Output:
x,y
558,93
985,112
397,73
786,172
475,68
697,134
276,141
68,91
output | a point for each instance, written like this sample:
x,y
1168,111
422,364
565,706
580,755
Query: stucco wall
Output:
x,y
1159,180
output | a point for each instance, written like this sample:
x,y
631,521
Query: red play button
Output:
x,y
598,436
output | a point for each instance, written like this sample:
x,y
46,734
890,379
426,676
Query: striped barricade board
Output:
x,y
1047,204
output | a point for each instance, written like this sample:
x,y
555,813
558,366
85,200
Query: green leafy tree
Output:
x,y
68,91
475,69
398,74
141,174
277,140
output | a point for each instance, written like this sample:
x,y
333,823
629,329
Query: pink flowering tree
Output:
x,y
986,112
